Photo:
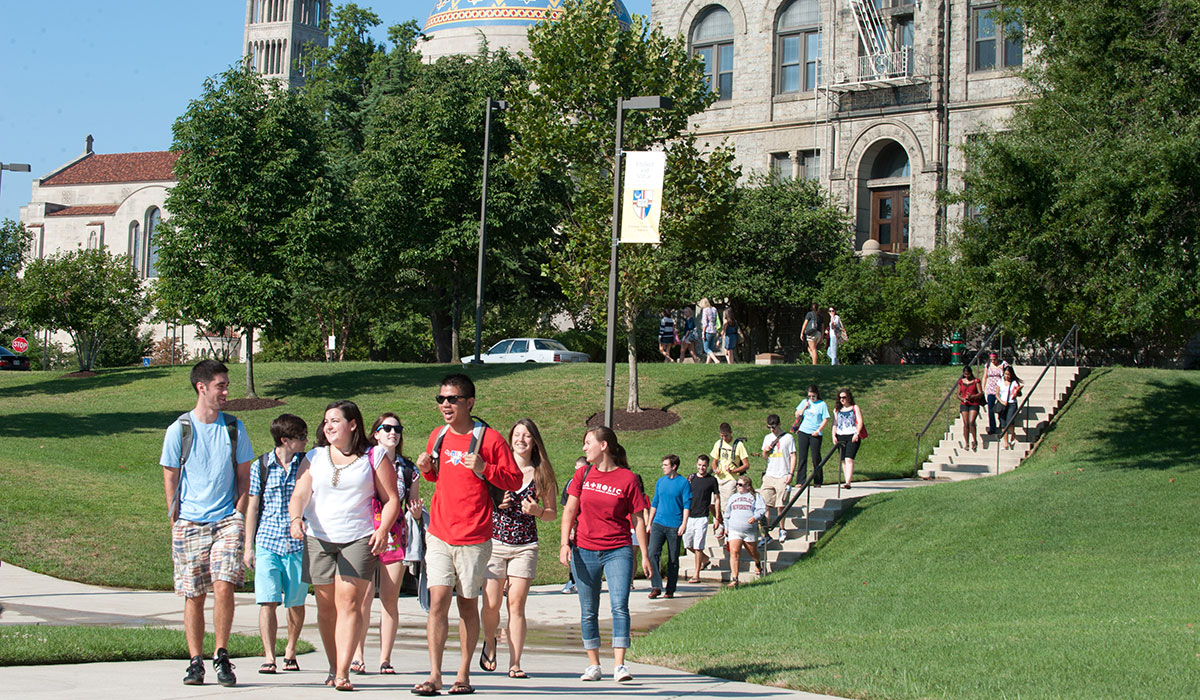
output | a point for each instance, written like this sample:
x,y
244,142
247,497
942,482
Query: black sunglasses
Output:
x,y
451,398
389,428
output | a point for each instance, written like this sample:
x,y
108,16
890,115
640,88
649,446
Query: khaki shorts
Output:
x,y
325,560
518,560
774,490
464,564
207,552
727,488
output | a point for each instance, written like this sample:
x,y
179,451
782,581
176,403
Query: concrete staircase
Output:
x,y
824,508
951,460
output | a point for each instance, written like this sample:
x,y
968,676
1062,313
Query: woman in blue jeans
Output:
x,y
604,498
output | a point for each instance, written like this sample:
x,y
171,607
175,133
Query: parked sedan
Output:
x,y
10,360
528,350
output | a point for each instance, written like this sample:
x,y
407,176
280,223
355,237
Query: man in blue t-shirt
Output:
x,y
206,460
668,514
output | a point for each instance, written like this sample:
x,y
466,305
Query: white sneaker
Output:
x,y
782,536
568,588
621,674
592,673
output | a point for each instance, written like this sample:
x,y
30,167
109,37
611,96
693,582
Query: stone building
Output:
x,y
278,33
873,98
462,26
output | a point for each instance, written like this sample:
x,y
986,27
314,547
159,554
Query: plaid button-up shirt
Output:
x,y
273,527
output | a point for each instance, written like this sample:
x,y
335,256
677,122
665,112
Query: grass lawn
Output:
x,y
1073,577
83,497
24,645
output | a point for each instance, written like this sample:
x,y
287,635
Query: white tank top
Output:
x,y
340,513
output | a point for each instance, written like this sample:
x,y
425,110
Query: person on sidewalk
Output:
x,y
706,499
993,372
464,464
669,511
742,514
277,559
812,415
970,398
780,452
666,335
206,458
848,431
708,331
513,565
837,333
732,333
1008,399
730,459
811,331
604,496
332,509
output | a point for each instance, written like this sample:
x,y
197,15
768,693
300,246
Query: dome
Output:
x,y
482,14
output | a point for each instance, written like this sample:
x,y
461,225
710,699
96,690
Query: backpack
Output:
x,y
497,494
186,437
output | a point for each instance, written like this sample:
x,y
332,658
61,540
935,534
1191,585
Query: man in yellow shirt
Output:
x,y
730,459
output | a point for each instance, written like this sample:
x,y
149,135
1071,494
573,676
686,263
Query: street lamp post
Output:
x,y
610,368
499,105
14,167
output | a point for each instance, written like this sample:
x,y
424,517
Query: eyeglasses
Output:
x,y
449,398
843,396
743,485
389,428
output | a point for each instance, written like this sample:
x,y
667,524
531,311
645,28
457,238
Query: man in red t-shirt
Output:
x,y
458,542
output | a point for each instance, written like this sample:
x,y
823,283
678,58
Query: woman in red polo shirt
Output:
x,y
603,498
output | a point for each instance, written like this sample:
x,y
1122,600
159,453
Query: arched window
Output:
x,y
712,41
891,162
798,47
135,246
153,219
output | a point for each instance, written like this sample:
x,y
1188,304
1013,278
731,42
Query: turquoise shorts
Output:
x,y
277,578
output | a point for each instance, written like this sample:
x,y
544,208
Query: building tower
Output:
x,y
277,33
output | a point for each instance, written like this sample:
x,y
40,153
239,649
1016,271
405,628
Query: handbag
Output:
x,y
397,531
862,425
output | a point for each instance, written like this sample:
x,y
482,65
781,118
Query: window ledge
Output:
x,y
793,97
995,73
720,104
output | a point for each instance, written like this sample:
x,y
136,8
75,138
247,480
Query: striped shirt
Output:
x,y
273,533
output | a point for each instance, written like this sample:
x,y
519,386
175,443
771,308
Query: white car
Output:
x,y
528,350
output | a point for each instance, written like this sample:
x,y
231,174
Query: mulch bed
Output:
x,y
251,404
646,419
77,375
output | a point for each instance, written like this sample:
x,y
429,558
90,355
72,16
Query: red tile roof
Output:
x,y
86,210
150,166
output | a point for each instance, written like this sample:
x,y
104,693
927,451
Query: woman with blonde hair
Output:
x,y
708,331
513,564
603,497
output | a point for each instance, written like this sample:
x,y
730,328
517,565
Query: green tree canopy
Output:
x,y
14,244
1090,203
87,293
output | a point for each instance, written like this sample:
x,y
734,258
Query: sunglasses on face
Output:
x,y
743,485
389,428
842,396
449,398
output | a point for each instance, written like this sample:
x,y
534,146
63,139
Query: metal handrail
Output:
x,y
921,433
1053,361
800,490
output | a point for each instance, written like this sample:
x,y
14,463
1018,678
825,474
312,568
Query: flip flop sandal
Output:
x,y
291,664
329,680
460,688
426,689
386,669
488,663
693,580
517,673
358,667
342,684
267,668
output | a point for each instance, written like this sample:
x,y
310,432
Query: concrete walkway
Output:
x,y
553,656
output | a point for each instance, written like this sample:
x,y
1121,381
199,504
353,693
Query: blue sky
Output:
x,y
120,71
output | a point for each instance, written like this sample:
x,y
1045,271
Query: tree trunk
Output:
x,y
630,321
250,363
456,324
441,323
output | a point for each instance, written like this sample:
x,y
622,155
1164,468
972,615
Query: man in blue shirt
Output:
x,y
206,460
668,514
270,549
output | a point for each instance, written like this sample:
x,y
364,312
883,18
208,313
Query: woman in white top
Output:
x,y
331,510
1007,398
837,333
847,428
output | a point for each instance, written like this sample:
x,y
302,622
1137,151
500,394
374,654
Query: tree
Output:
x,y
87,293
563,119
14,244
785,238
253,197
1089,204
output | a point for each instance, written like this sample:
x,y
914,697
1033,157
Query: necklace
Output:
x,y
337,471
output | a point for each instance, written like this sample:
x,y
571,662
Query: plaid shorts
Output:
x,y
207,552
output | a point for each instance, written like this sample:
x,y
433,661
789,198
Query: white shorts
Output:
x,y
696,533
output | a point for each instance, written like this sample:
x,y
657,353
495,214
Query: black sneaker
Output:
x,y
195,672
224,668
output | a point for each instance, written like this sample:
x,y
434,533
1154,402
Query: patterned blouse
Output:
x,y
513,526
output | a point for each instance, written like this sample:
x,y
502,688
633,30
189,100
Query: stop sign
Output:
x,y
20,345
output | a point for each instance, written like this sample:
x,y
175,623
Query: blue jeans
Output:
x,y
710,342
617,566
660,534
832,351
991,402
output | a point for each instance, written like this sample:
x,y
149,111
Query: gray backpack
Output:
x,y
186,435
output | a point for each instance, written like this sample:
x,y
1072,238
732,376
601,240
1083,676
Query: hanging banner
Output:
x,y
643,196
